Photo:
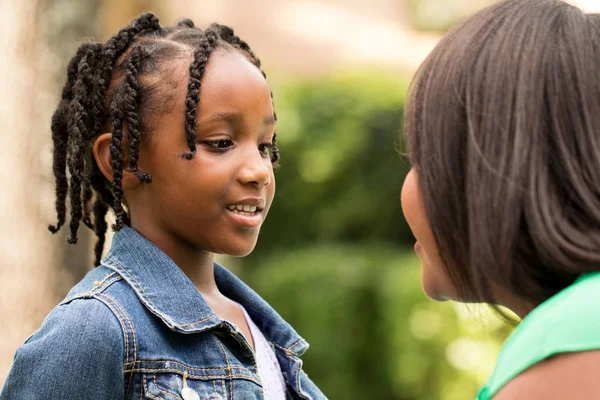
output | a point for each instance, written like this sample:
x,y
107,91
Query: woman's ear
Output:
x,y
101,150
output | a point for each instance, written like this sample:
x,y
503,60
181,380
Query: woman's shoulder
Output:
x,y
559,377
566,323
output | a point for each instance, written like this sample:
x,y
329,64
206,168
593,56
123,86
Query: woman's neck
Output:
x,y
515,304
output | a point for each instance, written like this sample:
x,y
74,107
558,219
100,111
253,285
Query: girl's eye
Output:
x,y
265,148
222,144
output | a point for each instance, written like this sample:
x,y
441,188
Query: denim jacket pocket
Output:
x,y
200,384
170,386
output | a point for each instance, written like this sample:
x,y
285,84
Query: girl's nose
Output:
x,y
256,169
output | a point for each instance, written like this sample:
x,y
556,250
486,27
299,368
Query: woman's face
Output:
x,y
436,283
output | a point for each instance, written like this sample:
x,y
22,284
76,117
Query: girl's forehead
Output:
x,y
232,83
232,91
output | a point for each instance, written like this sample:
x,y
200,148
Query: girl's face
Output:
x,y
217,201
436,283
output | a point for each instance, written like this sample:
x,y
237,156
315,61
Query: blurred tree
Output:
x,y
37,37
64,24
114,14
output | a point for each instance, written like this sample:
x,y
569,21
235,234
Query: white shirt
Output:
x,y
267,364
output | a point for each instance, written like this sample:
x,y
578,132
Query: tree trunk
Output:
x,y
36,267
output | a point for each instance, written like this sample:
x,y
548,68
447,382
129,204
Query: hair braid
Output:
x,y
113,49
131,110
60,137
86,200
59,164
79,133
100,225
121,41
197,68
104,199
95,105
116,155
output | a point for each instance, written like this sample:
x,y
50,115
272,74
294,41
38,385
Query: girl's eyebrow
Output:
x,y
234,117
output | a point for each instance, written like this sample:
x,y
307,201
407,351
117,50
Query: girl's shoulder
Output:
x,y
81,341
86,318
568,322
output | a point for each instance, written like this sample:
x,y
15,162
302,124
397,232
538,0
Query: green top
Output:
x,y
567,322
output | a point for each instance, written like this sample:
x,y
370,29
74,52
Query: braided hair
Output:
x,y
106,86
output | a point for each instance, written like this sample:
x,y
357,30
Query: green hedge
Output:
x,y
373,333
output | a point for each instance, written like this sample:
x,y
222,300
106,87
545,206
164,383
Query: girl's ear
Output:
x,y
101,150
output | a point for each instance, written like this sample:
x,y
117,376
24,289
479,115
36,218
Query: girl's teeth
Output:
x,y
243,208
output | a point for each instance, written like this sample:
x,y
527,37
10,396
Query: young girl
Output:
x,y
504,193
174,130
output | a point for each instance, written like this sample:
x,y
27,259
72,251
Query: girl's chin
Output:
x,y
240,251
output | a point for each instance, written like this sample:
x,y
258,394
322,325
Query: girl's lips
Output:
x,y
246,219
417,246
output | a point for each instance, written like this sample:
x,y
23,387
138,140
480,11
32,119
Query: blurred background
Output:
x,y
335,255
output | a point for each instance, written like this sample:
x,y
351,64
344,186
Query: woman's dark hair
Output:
x,y
503,125
121,84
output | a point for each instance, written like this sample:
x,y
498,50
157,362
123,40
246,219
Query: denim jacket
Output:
x,y
136,328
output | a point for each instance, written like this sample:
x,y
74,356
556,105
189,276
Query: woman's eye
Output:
x,y
265,148
222,144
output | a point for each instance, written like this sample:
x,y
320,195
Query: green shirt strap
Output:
x,y
567,322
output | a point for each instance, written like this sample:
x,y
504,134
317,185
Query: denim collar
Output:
x,y
166,291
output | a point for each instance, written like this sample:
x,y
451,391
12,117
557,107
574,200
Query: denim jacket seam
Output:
x,y
301,392
201,321
297,367
121,323
144,385
184,367
288,350
134,280
126,332
128,320
228,367
226,376
297,342
166,392
98,288
222,388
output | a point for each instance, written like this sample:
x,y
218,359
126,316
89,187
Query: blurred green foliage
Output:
x,y
440,15
335,258
341,173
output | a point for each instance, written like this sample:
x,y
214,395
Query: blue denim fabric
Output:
x,y
136,327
